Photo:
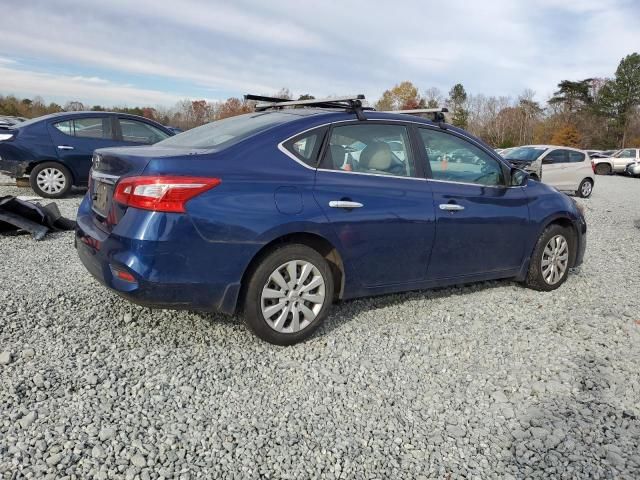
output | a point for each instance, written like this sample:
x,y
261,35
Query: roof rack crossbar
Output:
x,y
351,102
437,113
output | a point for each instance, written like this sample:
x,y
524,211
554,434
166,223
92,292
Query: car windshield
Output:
x,y
224,133
525,154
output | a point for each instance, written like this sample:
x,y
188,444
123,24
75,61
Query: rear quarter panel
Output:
x,y
31,144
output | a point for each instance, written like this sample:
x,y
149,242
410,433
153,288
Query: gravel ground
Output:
x,y
487,381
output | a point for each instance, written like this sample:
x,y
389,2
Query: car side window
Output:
x,y
576,156
87,127
454,159
98,127
306,146
140,132
628,153
372,148
555,156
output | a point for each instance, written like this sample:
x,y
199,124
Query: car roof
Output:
x,y
551,147
81,114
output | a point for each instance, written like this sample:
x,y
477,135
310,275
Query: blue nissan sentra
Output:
x,y
281,212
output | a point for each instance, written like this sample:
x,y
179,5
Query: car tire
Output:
x,y
585,189
603,169
284,310
548,266
50,180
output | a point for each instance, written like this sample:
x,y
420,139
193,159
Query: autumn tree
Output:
x,y
433,97
403,96
566,136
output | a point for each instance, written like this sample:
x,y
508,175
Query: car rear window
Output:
x,y
224,133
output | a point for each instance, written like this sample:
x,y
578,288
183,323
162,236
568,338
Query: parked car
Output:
x,y
10,121
55,151
616,163
602,154
567,169
633,169
261,213
175,130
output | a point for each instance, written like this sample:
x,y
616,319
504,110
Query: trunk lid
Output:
x,y
108,166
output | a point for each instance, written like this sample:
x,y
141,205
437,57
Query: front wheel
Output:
x,y
288,295
585,189
50,180
549,264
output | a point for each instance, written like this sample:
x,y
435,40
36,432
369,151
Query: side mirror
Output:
x,y
519,178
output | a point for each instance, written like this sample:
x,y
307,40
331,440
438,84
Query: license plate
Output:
x,y
101,194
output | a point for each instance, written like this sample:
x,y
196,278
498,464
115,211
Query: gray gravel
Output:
x,y
486,381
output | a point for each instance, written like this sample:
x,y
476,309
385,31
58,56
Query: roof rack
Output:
x,y
352,103
438,113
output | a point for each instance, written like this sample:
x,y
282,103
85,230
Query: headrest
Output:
x,y
376,156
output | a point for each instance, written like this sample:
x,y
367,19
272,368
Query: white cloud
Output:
x,y
87,90
499,47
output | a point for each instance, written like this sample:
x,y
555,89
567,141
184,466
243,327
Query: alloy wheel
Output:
x,y
586,189
293,296
555,259
51,180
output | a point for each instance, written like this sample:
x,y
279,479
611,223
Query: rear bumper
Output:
x,y
15,169
180,271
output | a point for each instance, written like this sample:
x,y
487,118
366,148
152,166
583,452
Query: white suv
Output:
x,y
616,163
567,169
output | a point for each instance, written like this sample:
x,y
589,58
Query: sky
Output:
x,y
156,52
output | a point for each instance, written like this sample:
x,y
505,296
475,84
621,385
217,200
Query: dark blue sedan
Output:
x,y
55,151
281,212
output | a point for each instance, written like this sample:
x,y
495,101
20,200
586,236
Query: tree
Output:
x,y
284,93
403,96
74,106
620,97
573,96
306,96
433,97
566,136
456,104
233,107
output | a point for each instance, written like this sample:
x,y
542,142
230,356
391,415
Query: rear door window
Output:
x,y
373,148
86,127
140,132
576,156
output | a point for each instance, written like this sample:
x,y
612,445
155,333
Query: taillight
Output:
x,y
161,194
593,166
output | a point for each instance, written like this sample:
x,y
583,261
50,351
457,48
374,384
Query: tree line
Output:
x,y
601,113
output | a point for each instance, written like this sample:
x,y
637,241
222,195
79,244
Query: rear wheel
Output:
x,y
50,180
549,264
288,295
603,169
585,189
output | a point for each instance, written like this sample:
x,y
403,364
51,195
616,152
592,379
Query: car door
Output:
x,y
578,167
554,165
373,192
480,220
75,139
137,132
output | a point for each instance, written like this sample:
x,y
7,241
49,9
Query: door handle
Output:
x,y
451,207
344,204
65,147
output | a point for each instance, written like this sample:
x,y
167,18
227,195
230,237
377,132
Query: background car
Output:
x,y
616,163
55,150
263,213
10,121
567,169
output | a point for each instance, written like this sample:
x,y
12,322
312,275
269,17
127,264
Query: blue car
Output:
x,y
55,150
282,212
